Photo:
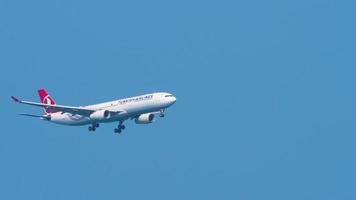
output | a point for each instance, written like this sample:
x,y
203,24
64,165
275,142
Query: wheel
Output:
x,y
117,130
90,128
123,127
97,125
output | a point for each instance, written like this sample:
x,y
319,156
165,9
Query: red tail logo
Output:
x,y
46,99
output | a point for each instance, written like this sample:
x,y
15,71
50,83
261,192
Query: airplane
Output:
x,y
140,108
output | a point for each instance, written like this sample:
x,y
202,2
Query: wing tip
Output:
x,y
15,99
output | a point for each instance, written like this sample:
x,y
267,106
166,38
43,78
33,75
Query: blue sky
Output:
x,y
265,110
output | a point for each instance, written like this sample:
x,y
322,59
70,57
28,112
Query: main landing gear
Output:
x,y
93,127
119,128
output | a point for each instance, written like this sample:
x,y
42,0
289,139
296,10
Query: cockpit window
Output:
x,y
169,95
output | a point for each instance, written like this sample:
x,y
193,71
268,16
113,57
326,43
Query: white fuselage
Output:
x,y
126,108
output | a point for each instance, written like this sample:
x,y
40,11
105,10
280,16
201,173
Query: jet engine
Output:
x,y
145,118
100,115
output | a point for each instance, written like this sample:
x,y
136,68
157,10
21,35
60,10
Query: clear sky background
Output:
x,y
266,103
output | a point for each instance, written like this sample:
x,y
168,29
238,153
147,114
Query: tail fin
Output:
x,y
46,99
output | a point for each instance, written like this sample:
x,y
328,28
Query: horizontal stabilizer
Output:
x,y
38,116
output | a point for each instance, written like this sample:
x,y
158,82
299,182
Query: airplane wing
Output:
x,y
68,109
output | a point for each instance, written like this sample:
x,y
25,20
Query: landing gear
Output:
x,y
119,128
161,113
93,127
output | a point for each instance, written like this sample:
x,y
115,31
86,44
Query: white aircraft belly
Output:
x,y
69,119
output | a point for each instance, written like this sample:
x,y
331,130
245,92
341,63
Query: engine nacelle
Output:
x,y
145,118
100,115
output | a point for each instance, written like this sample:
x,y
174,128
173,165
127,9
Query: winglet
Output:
x,y
15,99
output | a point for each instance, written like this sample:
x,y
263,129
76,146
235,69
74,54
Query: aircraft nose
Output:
x,y
172,100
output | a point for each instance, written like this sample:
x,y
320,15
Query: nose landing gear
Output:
x,y
161,113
